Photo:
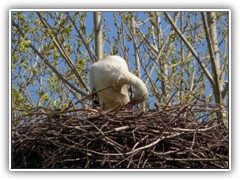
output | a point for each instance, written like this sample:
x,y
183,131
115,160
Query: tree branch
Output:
x,y
204,68
92,56
136,48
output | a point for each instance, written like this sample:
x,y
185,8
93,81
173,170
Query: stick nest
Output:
x,y
88,138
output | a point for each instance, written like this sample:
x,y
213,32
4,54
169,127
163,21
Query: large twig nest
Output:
x,y
86,138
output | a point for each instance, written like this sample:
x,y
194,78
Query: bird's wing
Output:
x,y
106,72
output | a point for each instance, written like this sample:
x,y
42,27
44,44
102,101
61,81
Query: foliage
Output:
x,y
146,40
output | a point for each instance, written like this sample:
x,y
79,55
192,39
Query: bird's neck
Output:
x,y
139,87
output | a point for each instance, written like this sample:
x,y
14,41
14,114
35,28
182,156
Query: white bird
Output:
x,y
110,79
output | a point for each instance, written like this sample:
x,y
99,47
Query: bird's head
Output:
x,y
140,92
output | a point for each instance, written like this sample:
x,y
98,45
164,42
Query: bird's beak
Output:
x,y
130,93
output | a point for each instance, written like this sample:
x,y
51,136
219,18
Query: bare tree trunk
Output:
x,y
211,35
215,62
98,35
138,71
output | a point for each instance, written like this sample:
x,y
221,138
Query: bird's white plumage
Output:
x,y
113,70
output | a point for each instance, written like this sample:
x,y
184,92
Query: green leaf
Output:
x,y
115,51
27,43
128,38
57,56
55,103
45,97
13,66
35,71
24,64
174,61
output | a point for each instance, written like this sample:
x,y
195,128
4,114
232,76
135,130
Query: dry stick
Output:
x,y
121,128
130,152
193,130
74,127
89,96
170,99
153,143
194,159
164,153
141,140
130,156
140,159
194,138
146,160
129,163
48,63
107,139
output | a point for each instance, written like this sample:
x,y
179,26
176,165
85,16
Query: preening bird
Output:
x,y
110,79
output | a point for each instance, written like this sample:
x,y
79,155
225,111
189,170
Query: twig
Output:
x,y
170,100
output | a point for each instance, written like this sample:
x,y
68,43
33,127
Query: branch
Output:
x,y
92,56
149,45
170,99
136,48
225,90
204,68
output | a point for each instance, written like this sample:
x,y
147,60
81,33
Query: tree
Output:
x,y
181,56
